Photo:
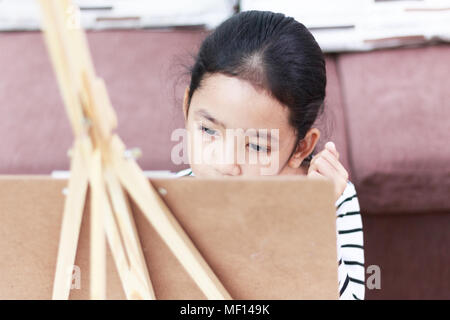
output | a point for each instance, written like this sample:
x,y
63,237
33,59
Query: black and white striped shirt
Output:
x,y
350,245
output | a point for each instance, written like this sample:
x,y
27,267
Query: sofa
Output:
x,y
388,111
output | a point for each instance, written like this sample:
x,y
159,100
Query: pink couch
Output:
x,y
388,112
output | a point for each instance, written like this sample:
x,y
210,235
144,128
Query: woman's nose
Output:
x,y
228,169
227,163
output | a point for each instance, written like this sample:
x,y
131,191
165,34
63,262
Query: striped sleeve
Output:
x,y
350,246
184,173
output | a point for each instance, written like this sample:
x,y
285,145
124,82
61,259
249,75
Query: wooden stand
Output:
x,y
98,161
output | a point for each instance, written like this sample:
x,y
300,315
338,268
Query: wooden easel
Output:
x,y
98,160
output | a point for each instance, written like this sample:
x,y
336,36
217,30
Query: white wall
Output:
x,y
24,14
340,25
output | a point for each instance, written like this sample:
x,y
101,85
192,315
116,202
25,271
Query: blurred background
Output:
x,y
387,106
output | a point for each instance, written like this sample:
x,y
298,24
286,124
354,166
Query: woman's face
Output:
x,y
235,129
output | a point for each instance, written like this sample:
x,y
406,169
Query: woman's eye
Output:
x,y
257,148
208,131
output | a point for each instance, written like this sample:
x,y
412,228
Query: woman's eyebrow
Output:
x,y
203,113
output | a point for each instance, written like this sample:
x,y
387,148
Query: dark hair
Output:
x,y
273,52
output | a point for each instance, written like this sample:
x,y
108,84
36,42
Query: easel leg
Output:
x,y
72,216
143,288
98,245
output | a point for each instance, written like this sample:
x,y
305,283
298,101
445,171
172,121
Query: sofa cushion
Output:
x,y
412,253
397,107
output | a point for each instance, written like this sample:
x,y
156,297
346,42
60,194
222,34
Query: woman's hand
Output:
x,y
326,164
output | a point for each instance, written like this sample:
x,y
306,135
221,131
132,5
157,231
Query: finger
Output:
x,y
315,175
332,148
313,171
317,156
312,164
311,168
325,168
335,163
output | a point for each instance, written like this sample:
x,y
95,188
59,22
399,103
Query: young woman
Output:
x,y
265,71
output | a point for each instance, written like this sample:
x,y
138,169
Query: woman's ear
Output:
x,y
185,103
305,147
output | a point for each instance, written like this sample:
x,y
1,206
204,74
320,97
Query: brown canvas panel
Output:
x,y
265,238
